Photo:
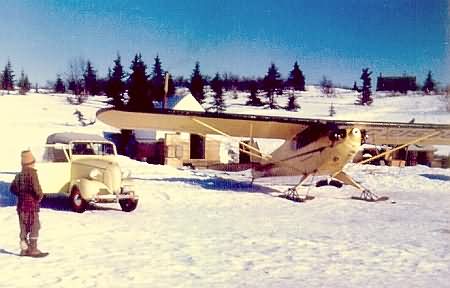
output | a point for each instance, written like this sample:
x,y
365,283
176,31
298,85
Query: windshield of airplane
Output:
x,y
90,148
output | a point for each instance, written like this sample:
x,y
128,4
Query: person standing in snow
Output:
x,y
29,195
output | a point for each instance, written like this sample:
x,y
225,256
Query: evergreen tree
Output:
x,y
296,78
355,87
292,102
59,86
181,82
217,87
365,98
115,86
272,84
158,79
8,77
332,110
429,84
253,99
138,88
90,79
171,87
197,84
23,83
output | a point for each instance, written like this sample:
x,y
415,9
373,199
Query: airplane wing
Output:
x,y
202,123
276,127
396,133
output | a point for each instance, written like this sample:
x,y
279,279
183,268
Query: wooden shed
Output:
x,y
396,83
177,148
415,154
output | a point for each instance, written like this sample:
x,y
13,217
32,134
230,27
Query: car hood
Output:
x,y
95,163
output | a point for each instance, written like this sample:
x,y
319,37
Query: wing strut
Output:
x,y
398,148
263,156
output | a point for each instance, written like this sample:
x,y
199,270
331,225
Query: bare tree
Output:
x,y
327,87
75,81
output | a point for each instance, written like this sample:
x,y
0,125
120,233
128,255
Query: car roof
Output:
x,y
67,137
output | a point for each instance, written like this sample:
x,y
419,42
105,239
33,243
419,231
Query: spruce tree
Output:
x,y
8,77
157,80
59,86
272,84
138,88
196,85
90,79
23,83
292,102
115,86
253,99
217,87
355,87
171,87
296,78
365,98
429,84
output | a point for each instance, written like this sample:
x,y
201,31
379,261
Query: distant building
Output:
x,y
178,148
400,84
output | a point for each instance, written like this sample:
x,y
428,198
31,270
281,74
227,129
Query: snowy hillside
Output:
x,y
203,228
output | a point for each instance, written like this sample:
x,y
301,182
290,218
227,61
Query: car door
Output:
x,y
54,172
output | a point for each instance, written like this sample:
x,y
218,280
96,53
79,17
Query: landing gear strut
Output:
x,y
292,194
366,195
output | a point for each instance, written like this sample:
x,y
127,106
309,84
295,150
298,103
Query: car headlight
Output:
x,y
94,174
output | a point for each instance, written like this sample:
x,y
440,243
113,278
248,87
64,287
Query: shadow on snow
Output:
x,y
436,177
216,183
7,199
58,202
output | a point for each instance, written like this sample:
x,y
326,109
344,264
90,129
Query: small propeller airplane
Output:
x,y
311,147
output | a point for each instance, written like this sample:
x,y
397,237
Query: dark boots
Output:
x,y
24,245
29,248
33,251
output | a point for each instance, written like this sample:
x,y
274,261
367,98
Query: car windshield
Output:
x,y
92,148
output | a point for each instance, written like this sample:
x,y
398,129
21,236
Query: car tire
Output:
x,y
128,205
77,203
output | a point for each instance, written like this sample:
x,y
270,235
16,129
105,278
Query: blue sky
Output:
x,y
330,38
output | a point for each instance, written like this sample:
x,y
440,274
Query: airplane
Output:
x,y
311,147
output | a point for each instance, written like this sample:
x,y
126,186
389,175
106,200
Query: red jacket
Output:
x,y
27,189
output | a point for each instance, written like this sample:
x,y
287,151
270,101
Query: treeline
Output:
x,y
137,89
8,82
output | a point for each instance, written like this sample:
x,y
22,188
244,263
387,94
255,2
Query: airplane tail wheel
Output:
x,y
77,202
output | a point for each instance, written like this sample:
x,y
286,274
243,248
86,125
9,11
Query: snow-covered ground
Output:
x,y
203,228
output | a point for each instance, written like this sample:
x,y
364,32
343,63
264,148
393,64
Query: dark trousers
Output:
x,y
29,225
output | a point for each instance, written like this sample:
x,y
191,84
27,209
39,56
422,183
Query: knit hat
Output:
x,y
27,158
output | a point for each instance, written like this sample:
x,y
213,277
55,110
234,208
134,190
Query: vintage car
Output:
x,y
85,167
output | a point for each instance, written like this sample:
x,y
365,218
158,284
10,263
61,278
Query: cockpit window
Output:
x,y
313,133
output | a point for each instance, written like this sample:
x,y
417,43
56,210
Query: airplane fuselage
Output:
x,y
324,155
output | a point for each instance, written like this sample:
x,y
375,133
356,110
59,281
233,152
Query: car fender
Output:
x,y
91,188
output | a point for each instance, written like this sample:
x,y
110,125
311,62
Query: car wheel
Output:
x,y
128,205
77,202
